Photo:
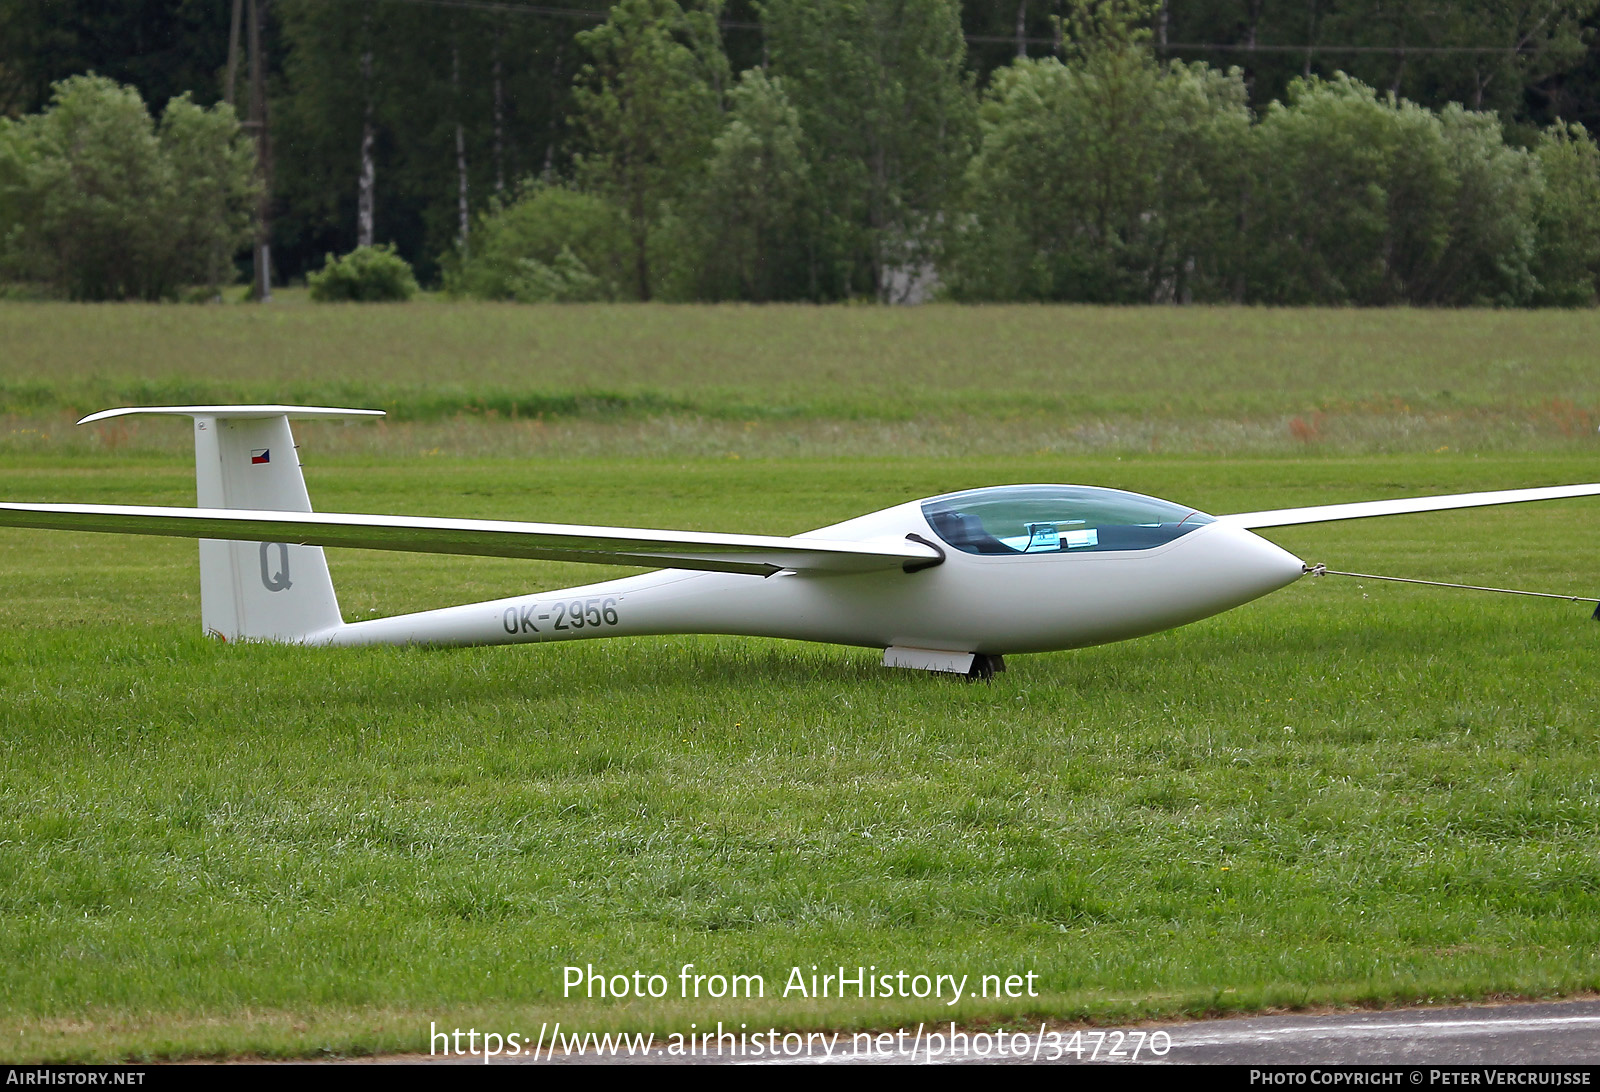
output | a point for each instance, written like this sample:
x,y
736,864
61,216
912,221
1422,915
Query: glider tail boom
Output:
x,y
245,458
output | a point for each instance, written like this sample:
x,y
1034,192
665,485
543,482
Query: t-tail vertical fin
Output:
x,y
245,457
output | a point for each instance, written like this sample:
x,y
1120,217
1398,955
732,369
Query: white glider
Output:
x,y
948,583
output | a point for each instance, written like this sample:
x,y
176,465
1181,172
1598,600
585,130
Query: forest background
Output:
x,y
1324,151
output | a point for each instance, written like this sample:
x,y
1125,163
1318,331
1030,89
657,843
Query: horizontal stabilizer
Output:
x,y
760,555
1325,513
234,413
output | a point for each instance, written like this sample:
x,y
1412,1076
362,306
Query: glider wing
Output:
x,y
760,555
1324,513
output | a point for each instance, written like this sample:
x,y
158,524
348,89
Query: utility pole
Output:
x,y
233,53
262,292
219,256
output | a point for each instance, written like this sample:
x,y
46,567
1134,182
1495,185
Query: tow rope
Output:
x,y
1323,570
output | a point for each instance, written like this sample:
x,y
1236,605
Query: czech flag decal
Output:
x,y
261,455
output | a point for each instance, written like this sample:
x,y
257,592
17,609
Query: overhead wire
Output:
x,y
507,8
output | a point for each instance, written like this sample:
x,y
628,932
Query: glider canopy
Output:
x,y
1030,519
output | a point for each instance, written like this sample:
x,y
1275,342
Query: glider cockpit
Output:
x,y
1056,519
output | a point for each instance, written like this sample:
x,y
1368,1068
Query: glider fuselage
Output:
x,y
994,604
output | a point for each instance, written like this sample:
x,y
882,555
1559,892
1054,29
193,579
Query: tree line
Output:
x,y
1335,151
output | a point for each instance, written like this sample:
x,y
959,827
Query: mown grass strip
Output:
x,y
436,360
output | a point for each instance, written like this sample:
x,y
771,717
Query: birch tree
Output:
x,y
366,187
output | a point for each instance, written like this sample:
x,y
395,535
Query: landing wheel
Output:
x,y
984,666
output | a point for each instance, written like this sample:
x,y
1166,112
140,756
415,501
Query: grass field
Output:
x,y
783,381
1342,794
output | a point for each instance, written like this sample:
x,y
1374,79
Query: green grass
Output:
x,y
1337,795
800,380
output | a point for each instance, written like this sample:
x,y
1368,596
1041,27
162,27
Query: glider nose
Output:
x,y
1259,566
